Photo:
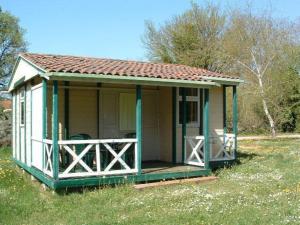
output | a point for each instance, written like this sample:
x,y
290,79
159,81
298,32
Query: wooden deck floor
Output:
x,y
151,167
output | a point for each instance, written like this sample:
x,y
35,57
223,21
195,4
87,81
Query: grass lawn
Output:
x,y
264,188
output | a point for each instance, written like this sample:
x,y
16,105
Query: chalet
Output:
x,y
80,121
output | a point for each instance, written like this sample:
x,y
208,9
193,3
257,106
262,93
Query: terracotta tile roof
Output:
x,y
6,104
89,65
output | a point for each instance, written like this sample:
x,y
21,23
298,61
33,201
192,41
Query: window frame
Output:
x,y
188,99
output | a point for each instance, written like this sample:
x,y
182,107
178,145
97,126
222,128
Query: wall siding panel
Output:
x,y
28,125
165,123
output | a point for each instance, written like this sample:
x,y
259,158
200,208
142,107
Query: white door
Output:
x,y
37,127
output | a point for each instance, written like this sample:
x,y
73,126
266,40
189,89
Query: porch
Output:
x,y
95,160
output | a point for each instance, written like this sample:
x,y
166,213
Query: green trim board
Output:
x,y
235,116
174,124
55,129
130,80
92,181
183,129
206,129
139,127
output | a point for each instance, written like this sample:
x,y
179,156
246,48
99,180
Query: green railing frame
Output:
x,y
206,129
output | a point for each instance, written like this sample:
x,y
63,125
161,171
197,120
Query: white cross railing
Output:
x,y
116,163
48,150
225,145
194,146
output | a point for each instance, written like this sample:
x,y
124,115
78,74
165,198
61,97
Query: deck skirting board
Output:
x,y
110,180
96,181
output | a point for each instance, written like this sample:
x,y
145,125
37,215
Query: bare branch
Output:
x,y
255,62
267,65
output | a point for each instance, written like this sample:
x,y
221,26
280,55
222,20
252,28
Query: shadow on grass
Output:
x,y
85,189
242,157
245,156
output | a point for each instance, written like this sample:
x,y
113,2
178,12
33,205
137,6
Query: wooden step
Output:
x,y
173,182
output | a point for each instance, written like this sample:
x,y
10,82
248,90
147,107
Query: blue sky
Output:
x,y
111,28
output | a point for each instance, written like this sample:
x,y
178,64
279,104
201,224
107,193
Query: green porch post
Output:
x,y
174,125
206,129
235,117
183,124
55,129
139,127
44,125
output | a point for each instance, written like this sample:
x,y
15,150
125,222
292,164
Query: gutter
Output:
x,y
130,80
229,81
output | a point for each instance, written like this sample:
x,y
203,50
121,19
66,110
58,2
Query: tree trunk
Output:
x,y
266,109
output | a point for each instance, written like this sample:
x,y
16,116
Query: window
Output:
x,y
192,106
22,108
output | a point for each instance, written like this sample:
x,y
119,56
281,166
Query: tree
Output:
x,y
263,50
11,43
192,38
258,44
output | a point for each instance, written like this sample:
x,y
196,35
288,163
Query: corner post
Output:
x,y
55,129
183,124
44,125
174,125
235,118
206,129
139,127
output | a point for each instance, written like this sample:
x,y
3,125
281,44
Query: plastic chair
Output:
x,y
89,156
129,154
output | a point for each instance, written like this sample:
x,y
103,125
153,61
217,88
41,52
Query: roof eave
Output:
x,y
225,81
129,80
